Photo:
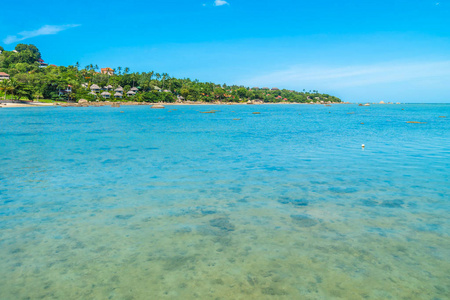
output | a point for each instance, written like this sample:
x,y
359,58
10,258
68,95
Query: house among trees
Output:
x,y
41,62
119,90
108,87
95,88
68,90
107,71
134,89
118,95
4,76
265,88
106,95
275,89
131,93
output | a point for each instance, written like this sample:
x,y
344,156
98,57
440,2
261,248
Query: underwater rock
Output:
x,y
370,203
124,217
303,220
392,203
222,223
296,202
274,291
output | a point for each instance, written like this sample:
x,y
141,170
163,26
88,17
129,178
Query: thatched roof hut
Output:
x,y
275,89
131,93
95,87
118,95
265,88
134,89
119,89
106,94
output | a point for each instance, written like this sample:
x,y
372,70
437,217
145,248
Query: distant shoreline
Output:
x,y
106,103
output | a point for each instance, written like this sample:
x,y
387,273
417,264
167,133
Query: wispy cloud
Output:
x,y
354,76
221,2
44,30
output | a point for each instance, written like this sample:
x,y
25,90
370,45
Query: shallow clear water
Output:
x,y
140,203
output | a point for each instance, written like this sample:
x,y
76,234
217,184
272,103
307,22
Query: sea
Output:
x,y
242,202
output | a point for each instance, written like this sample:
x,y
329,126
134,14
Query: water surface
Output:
x,y
139,203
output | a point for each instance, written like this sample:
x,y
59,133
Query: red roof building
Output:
x,y
108,71
41,62
3,76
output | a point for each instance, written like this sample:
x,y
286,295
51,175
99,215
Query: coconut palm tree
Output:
x,y
5,86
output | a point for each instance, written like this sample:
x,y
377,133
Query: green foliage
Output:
x,y
29,80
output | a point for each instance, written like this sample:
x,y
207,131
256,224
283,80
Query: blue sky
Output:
x,y
358,50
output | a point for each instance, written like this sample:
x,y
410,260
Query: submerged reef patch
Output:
x,y
304,220
222,223
295,202
392,203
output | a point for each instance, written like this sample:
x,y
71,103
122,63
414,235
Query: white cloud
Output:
x,y
354,76
221,2
44,30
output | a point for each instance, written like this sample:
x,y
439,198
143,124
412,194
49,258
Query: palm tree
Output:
x,y
5,86
120,69
126,70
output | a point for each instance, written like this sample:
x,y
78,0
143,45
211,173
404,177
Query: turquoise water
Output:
x,y
140,203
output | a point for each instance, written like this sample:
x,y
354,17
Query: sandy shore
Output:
x,y
107,103
31,104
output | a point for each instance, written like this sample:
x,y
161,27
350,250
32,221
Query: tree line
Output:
x,y
29,80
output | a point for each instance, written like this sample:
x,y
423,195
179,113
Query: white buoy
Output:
x,y
363,146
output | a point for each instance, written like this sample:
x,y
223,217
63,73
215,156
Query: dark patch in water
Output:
x,y
209,231
15,251
251,280
184,230
179,262
235,189
392,203
111,161
124,217
208,212
151,148
79,245
217,281
222,223
340,190
304,220
369,203
274,291
296,202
